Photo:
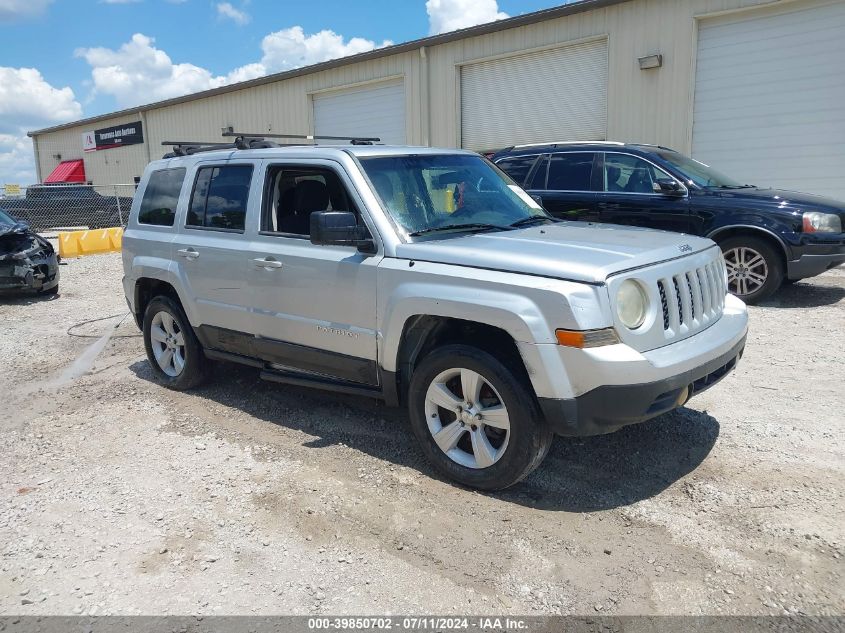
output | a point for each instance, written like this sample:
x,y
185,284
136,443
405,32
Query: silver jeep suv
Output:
x,y
424,277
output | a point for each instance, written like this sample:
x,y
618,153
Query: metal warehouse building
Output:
x,y
753,87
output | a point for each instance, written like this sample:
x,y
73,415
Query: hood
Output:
x,y
792,201
578,251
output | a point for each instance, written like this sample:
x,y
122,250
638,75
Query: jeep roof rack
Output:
x,y
355,140
248,140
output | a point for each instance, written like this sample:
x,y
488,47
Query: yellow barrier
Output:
x,y
77,243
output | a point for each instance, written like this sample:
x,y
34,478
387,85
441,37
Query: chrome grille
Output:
x,y
664,304
692,300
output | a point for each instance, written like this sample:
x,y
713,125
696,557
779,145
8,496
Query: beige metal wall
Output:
x,y
652,106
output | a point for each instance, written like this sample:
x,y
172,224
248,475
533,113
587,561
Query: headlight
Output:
x,y
631,304
815,222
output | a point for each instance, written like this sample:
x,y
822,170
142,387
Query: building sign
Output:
x,y
12,190
115,136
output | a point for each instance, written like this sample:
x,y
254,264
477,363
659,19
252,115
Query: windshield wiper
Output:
x,y
531,219
474,226
737,186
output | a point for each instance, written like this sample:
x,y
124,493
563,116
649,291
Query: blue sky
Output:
x,y
66,59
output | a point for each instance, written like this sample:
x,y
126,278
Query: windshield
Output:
x,y
699,173
442,192
6,219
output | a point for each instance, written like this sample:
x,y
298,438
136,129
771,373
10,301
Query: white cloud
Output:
x,y
27,101
226,10
292,48
17,160
451,15
138,72
11,10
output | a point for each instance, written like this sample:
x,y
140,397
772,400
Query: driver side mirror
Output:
x,y
668,187
340,228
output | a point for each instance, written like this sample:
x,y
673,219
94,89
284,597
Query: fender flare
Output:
x,y
750,227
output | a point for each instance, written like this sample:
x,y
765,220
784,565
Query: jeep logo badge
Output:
x,y
685,248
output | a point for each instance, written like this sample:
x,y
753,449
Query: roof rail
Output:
x,y
187,148
568,143
355,140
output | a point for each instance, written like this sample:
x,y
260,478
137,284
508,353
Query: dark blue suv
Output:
x,y
769,237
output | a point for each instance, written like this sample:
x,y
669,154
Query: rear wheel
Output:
x,y
755,268
175,354
476,421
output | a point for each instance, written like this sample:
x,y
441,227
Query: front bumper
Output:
x,y
810,265
31,274
610,407
599,390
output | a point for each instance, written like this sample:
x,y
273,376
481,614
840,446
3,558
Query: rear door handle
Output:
x,y
190,253
267,263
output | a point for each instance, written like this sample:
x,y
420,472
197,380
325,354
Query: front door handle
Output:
x,y
190,253
267,263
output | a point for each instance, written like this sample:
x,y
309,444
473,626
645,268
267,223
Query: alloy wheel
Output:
x,y
747,270
467,418
168,343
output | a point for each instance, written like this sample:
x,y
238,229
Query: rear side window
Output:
x,y
570,172
219,197
158,206
517,167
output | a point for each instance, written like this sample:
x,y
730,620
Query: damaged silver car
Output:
x,y
28,262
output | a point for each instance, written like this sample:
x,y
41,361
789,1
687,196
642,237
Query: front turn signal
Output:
x,y
587,338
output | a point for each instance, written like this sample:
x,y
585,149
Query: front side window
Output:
x,y
220,197
433,192
158,206
570,171
517,167
699,173
294,192
629,174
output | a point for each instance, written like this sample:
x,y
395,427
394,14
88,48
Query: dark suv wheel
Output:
x,y
755,268
476,421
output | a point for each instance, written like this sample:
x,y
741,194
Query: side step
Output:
x,y
302,379
320,382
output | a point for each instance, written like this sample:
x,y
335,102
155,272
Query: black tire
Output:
x,y
529,436
195,368
772,265
51,291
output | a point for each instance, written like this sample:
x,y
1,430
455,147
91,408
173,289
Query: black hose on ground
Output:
x,y
105,318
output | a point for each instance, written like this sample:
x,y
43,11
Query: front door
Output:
x,y
627,195
314,307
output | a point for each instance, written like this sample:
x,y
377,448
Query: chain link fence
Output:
x,y
50,208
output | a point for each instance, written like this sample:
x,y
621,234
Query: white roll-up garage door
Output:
x,y
371,110
770,98
551,95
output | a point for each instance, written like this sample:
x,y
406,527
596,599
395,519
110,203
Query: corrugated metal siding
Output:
x,y
555,94
769,93
646,106
375,109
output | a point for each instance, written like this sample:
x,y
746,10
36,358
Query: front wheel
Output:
x,y
477,422
755,268
175,354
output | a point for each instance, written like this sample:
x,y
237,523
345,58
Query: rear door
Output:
x,y
314,307
627,195
564,183
210,247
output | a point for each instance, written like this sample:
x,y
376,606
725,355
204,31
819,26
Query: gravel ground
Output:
x,y
120,497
